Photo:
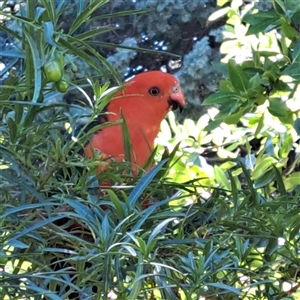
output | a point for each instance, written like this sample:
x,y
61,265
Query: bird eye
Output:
x,y
175,89
154,91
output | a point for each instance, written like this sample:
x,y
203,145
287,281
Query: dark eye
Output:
x,y
154,91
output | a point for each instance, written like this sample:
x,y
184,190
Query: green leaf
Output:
x,y
279,7
256,58
93,33
254,199
86,14
286,146
144,182
296,52
293,70
126,139
37,66
19,111
234,118
17,244
235,198
296,17
50,9
40,291
288,119
106,229
32,228
264,179
48,32
20,209
149,163
212,125
255,81
13,34
226,86
137,285
40,12
63,43
121,14
289,31
225,287
138,49
278,108
283,47
70,44
82,210
263,164
226,98
259,125
117,202
238,77
292,5
255,19
221,178
279,181
222,2
292,181
13,130
261,21
171,161
7,66
157,230
9,88
296,125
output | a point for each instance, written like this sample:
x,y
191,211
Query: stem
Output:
x,y
29,71
293,91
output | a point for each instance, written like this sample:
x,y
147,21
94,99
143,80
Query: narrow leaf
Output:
x,y
238,77
86,14
226,287
48,32
222,98
144,182
126,139
37,66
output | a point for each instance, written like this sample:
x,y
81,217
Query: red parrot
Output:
x,y
144,102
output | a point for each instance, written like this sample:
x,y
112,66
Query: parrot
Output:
x,y
144,102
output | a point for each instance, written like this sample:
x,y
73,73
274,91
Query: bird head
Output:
x,y
144,102
151,94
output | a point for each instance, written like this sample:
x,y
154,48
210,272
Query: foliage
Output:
x,y
224,218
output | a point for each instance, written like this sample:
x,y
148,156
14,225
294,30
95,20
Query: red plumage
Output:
x,y
145,101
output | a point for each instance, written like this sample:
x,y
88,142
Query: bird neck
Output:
x,y
141,120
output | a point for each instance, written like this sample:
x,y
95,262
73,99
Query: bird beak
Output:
x,y
176,98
